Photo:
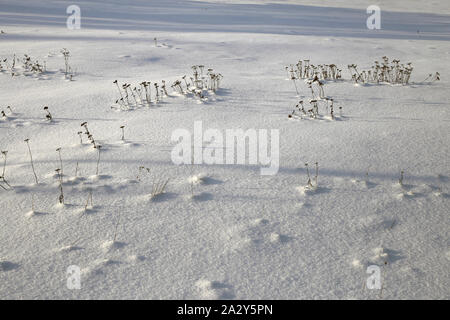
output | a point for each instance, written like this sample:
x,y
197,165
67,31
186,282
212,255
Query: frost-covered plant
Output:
x,y
158,187
123,132
400,180
157,92
308,182
433,77
163,87
68,74
118,88
89,198
2,177
48,116
27,141
80,134
295,85
316,177
88,134
61,193
4,154
99,147
60,161
332,111
141,169
116,228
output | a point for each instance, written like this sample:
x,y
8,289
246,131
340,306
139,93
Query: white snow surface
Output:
x,y
242,235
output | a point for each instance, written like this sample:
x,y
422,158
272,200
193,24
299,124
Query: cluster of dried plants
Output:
x,y
201,79
88,134
158,185
318,98
432,77
147,93
140,95
3,114
30,66
305,70
392,72
312,111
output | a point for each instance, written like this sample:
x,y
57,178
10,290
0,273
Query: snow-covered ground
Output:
x,y
224,231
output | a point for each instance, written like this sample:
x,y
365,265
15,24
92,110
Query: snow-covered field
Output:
x,y
224,231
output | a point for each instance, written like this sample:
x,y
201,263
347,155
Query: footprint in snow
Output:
x,y
135,258
8,265
69,248
204,196
96,177
384,256
99,267
308,190
259,233
214,290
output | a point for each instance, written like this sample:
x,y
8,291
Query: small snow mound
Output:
x,y
130,181
380,256
305,190
400,196
357,264
32,213
52,175
135,258
94,178
260,222
74,180
275,237
197,179
59,205
69,248
112,245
